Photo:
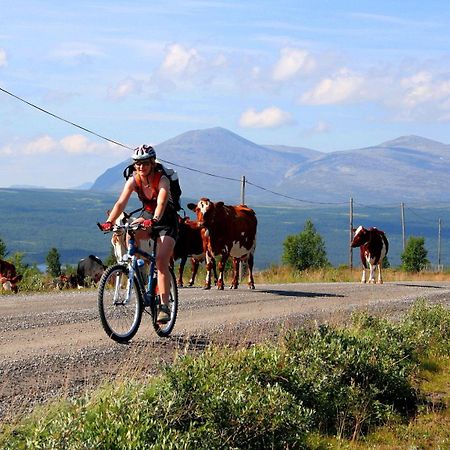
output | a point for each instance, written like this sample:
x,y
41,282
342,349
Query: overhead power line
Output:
x,y
162,160
64,120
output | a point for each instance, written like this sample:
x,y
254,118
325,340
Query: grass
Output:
x,y
374,384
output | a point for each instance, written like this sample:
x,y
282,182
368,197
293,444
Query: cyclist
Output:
x,y
153,189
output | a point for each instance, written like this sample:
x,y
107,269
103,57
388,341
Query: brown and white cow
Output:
x,y
119,240
374,247
230,231
190,244
8,276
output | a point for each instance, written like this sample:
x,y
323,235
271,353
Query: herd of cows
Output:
x,y
219,232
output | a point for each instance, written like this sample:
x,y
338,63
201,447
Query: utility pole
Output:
x,y
243,190
350,256
402,207
439,244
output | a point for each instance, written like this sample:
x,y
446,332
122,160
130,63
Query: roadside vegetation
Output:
x,y
373,384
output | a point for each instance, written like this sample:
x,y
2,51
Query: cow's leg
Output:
x,y
372,268
235,279
251,282
195,263
180,271
222,262
363,278
380,276
214,268
209,264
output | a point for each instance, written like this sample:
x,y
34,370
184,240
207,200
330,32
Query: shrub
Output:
x,y
414,258
306,249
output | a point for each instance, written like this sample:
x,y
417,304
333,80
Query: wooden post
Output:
x,y
350,256
402,207
243,190
439,245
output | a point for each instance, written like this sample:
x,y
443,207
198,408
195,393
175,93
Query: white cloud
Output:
x,y
343,87
320,127
422,88
40,145
45,145
6,150
3,59
292,62
76,53
267,118
126,87
180,61
78,144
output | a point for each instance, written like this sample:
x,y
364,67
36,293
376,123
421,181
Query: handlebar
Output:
x,y
126,227
131,228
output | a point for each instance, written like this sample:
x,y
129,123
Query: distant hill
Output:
x,y
222,154
409,168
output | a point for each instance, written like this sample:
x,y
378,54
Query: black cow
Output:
x,y
374,247
190,244
8,276
90,268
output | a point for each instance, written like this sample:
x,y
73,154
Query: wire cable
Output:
x,y
64,120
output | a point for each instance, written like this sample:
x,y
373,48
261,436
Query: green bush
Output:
x,y
305,250
414,258
321,381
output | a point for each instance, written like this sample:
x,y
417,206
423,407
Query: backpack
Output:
x,y
172,175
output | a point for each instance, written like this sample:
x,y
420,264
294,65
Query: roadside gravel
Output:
x,y
52,345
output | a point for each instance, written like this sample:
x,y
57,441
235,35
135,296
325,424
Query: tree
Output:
x,y
414,257
3,251
305,250
53,263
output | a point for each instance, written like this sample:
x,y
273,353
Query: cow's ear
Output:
x,y
220,204
191,206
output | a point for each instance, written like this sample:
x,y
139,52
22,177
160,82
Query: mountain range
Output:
x,y
211,162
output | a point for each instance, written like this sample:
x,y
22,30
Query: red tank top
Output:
x,y
148,203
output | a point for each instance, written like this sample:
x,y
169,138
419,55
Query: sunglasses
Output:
x,y
142,163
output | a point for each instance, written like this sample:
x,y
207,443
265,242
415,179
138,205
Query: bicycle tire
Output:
x,y
164,330
119,320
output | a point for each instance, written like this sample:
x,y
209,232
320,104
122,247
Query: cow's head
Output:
x,y
203,210
118,238
360,237
9,282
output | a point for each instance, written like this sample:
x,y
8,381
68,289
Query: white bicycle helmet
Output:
x,y
144,152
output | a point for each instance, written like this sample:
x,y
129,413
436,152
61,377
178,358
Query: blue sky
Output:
x,y
327,75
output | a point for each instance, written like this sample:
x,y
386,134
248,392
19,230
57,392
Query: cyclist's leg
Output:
x,y
164,252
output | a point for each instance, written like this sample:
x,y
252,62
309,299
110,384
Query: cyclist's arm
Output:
x,y
122,201
163,197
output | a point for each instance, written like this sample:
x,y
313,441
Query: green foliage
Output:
x,y
305,250
414,258
33,280
317,383
53,263
17,259
111,259
3,251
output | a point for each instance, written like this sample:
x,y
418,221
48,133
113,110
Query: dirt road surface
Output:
x,y
52,345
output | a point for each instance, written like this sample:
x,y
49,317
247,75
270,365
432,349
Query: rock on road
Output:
x,y
52,344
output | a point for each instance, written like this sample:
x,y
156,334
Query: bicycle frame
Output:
x,y
133,252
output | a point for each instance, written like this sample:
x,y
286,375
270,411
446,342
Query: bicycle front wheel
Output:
x,y
119,303
164,330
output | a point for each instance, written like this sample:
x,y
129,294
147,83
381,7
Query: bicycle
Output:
x,y
124,294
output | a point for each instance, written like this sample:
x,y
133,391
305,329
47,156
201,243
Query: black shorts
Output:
x,y
167,225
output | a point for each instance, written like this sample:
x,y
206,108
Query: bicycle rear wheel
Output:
x,y
164,329
120,313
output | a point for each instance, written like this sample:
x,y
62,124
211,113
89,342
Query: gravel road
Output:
x,y
52,345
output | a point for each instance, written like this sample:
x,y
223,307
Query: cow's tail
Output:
x,y
386,242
